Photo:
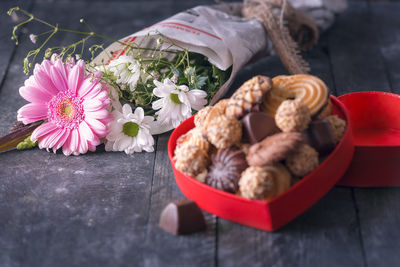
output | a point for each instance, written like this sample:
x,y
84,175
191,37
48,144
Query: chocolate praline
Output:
x,y
226,168
257,126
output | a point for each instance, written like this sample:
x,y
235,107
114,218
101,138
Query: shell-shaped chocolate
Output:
x,y
226,168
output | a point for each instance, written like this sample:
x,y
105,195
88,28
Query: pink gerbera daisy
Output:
x,y
72,104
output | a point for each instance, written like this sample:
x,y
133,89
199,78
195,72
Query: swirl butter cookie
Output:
x,y
248,97
311,90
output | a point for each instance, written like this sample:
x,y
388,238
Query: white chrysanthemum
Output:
x,y
176,102
130,132
127,71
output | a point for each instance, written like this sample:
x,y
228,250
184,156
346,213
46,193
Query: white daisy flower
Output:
x,y
130,132
176,102
127,71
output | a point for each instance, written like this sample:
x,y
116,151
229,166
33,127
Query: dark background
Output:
x,y
102,209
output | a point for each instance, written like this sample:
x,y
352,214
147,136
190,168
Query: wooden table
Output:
x,y
102,209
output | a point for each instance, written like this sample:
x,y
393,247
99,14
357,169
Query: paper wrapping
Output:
x,y
219,33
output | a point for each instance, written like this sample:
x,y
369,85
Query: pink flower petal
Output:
x,y
44,81
32,112
32,85
74,140
96,90
83,145
42,130
57,134
97,127
95,142
67,146
46,139
87,85
92,105
46,66
85,131
91,147
58,79
34,95
62,68
62,140
75,77
98,114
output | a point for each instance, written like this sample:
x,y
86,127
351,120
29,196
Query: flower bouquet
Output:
x,y
149,82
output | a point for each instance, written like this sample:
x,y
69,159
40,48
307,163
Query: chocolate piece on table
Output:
x,y
257,126
182,217
319,135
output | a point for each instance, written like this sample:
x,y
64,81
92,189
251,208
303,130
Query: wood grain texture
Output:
x,y
90,210
355,56
387,20
102,209
7,46
163,249
379,209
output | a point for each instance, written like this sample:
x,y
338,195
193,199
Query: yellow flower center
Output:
x,y
67,109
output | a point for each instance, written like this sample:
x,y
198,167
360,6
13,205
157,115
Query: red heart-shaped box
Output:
x,y
273,214
375,122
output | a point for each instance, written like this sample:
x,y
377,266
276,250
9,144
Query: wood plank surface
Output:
x,y
377,209
102,209
90,210
7,47
193,250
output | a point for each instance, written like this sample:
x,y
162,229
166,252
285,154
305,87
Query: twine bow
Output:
x,y
273,14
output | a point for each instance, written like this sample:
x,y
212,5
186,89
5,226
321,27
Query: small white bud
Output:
x,y
33,38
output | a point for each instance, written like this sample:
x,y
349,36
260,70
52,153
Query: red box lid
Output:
x,y
375,121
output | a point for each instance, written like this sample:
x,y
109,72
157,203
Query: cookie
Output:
x,y
303,160
245,148
221,105
195,137
264,183
338,126
248,97
223,131
325,111
292,116
191,159
226,168
311,90
201,116
273,148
